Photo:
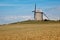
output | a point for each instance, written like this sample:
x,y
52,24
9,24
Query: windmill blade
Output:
x,y
35,7
34,11
46,16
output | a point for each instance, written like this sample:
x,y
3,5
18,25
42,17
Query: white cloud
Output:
x,y
10,18
9,5
15,5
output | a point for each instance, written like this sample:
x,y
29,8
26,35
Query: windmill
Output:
x,y
38,14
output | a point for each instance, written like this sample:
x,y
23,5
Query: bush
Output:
x,y
46,20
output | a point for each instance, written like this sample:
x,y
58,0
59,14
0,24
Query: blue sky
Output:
x,y
19,10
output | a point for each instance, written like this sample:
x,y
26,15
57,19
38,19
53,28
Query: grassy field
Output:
x,y
48,31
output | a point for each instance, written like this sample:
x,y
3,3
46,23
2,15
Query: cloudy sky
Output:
x,y
19,10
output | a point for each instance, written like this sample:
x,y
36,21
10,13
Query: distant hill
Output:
x,y
36,22
31,30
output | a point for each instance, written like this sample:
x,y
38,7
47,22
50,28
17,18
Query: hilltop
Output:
x,y
36,22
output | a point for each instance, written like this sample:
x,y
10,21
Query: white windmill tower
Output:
x,y
38,14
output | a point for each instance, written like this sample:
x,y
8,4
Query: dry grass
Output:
x,y
30,32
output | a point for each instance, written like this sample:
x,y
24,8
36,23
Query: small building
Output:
x,y
38,15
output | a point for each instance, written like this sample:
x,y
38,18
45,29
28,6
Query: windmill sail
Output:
x,y
35,7
35,11
46,16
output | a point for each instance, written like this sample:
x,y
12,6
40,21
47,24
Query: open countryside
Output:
x,y
29,19
28,31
